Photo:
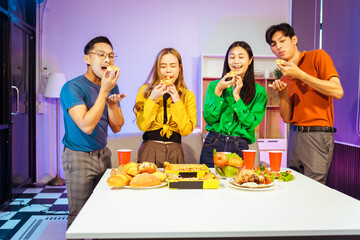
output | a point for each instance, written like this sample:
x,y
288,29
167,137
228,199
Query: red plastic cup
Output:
x,y
249,158
124,156
275,160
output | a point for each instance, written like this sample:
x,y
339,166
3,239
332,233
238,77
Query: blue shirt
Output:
x,y
82,91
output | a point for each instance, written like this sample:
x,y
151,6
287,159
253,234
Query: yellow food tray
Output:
x,y
188,170
188,183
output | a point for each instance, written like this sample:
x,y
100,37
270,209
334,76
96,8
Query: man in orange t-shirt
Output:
x,y
307,88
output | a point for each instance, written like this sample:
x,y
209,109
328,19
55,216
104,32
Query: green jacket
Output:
x,y
219,112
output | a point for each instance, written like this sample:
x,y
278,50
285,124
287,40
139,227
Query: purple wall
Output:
x,y
341,40
305,21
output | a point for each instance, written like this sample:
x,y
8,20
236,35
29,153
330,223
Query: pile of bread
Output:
x,y
136,175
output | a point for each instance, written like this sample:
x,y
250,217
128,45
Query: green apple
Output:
x,y
230,171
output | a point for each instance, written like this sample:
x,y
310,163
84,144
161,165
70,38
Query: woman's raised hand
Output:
x,y
237,87
158,92
223,84
173,93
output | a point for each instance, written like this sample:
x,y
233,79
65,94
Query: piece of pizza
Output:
x,y
166,81
112,68
232,73
279,61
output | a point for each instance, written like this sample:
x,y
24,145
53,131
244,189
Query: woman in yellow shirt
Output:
x,y
165,110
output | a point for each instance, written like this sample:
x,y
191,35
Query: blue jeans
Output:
x,y
222,143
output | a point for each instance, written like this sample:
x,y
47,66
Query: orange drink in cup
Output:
x,y
275,160
249,158
124,156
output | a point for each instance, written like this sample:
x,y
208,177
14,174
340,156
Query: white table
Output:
x,y
302,207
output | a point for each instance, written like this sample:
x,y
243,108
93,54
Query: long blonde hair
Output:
x,y
155,76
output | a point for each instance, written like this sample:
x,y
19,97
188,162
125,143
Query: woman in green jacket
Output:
x,y
234,105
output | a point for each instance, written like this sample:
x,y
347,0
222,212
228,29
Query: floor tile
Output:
x,y
25,215
10,224
33,190
64,195
6,215
62,201
35,185
4,233
42,201
59,208
20,201
13,208
47,195
26,195
18,190
53,190
35,208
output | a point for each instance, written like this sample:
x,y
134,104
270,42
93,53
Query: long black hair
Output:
x,y
247,92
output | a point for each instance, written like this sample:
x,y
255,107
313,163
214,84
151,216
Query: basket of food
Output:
x,y
227,164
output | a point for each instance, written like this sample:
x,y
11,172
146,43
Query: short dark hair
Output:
x,y
98,39
283,27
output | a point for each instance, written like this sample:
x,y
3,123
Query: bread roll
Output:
x,y
144,180
131,168
147,167
118,181
160,175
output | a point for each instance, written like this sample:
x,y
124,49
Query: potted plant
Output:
x,y
277,73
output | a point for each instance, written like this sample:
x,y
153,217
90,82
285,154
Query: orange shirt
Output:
x,y
311,108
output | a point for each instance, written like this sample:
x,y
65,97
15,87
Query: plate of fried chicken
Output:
x,y
252,179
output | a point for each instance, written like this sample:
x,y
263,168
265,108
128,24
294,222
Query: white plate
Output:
x,y
150,187
251,186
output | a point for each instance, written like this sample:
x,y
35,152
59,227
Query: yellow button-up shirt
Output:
x,y
181,115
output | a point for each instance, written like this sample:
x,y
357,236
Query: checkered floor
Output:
x,y
36,200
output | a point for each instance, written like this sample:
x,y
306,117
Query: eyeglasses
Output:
x,y
103,55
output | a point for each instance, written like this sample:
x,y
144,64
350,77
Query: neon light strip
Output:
x,y
358,107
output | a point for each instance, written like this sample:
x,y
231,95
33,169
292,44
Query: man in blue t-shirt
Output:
x,y
91,103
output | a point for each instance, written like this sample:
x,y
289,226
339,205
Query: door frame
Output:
x,y
6,122
32,90
14,21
